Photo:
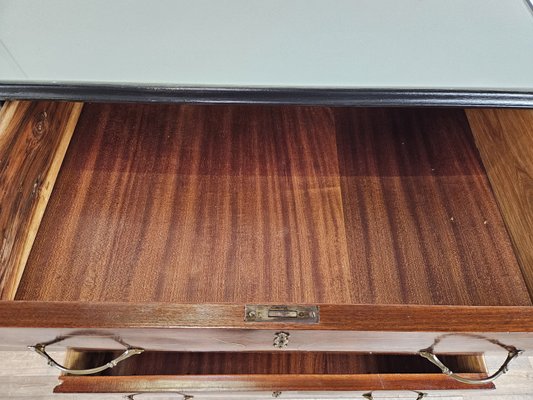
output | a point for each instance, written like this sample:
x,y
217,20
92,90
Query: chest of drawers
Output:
x,y
252,199
275,229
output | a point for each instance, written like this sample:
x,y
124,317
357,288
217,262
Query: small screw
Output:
x,y
276,394
251,315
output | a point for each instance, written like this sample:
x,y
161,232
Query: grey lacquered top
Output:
x,y
431,44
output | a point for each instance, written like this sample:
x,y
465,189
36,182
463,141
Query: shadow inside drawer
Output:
x,y
231,363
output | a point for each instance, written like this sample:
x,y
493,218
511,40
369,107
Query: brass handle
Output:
x,y
40,348
184,396
420,396
511,355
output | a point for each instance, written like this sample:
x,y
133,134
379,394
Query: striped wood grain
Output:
x,y
252,204
34,137
196,204
421,220
505,140
291,363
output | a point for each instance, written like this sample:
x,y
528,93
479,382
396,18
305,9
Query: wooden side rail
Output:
x,y
504,138
34,137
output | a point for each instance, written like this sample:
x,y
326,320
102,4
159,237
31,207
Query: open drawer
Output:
x,y
288,373
239,228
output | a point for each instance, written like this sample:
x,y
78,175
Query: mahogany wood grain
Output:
x,y
34,137
505,140
277,363
221,383
421,219
196,204
254,204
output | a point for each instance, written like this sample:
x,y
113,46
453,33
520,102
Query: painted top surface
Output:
x,y
433,44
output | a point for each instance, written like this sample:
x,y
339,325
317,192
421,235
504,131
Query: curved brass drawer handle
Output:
x,y
512,353
420,396
184,396
40,348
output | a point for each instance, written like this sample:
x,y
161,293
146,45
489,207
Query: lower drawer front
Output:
x,y
359,395
294,373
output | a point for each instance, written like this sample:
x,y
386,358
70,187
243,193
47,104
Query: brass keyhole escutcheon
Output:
x,y
281,340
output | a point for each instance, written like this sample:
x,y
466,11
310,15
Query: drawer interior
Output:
x,y
287,371
273,204
274,363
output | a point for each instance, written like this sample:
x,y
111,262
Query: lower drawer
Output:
x,y
212,373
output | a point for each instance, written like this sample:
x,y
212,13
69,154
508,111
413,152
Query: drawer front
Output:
x,y
313,384
175,327
296,395
262,340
